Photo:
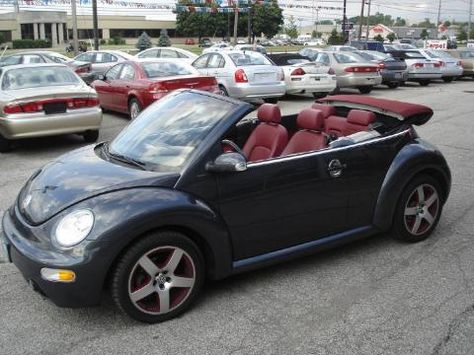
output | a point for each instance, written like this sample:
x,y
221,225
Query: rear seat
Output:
x,y
335,126
358,120
327,110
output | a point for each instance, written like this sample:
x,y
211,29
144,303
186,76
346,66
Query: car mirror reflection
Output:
x,y
227,162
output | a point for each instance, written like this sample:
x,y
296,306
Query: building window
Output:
x,y
135,33
27,31
48,30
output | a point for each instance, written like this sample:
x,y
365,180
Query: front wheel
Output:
x,y
5,144
418,210
424,82
365,89
134,108
159,277
448,79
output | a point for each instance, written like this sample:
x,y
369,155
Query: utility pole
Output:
x,y
368,23
95,23
75,42
439,19
361,19
249,24
344,23
236,22
469,22
316,23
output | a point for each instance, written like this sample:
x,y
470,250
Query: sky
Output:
x,y
304,11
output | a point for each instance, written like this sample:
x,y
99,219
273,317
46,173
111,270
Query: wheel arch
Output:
x,y
411,161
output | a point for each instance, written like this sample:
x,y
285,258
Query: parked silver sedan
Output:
x,y
351,70
451,68
44,100
243,75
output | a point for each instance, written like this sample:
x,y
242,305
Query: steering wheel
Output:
x,y
234,146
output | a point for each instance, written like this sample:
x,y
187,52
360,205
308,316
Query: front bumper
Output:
x,y
350,81
32,125
30,255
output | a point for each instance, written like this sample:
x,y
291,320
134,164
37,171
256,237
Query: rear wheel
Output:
x,y
5,144
91,136
448,79
418,210
365,89
223,91
134,108
159,277
424,82
319,95
393,85
271,100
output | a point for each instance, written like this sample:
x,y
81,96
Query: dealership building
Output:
x,y
56,26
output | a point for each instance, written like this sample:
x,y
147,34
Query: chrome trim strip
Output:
x,y
323,151
298,248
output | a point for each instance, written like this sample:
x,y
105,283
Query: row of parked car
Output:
x,y
40,86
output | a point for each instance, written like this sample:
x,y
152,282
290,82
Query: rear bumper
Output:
x,y
247,91
39,125
424,76
310,84
355,81
390,76
452,72
29,259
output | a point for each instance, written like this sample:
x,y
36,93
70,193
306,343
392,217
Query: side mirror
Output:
x,y
227,162
101,77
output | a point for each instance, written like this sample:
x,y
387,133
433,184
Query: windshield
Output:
x,y
165,134
346,58
34,77
249,58
161,69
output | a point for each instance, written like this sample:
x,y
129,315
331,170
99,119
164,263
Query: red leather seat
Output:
x,y
310,136
269,138
327,110
335,126
358,120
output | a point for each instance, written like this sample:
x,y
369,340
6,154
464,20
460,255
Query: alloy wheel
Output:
x,y
161,280
134,110
421,209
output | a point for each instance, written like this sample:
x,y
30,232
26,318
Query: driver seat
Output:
x,y
269,138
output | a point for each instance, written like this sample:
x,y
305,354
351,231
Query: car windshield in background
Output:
x,y
466,54
366,56
249,58
165,135
35,77
298,61
379,55
414,55
444,55
161,69
12,60
346,58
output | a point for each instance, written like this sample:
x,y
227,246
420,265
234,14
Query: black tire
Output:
x,y
319,95
448,79
411,223
271,100
365,89
91,136
223,91
5,145
134,108
128,270
393,85
424,82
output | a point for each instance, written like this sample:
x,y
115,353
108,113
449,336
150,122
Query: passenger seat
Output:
x,y
310,135
269,138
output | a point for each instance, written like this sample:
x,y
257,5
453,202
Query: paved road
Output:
x,y
377,296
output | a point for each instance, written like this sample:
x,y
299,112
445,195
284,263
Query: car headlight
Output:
x,y
74,228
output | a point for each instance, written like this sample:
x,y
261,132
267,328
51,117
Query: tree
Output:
x,y
335,38
324,22
144,41
391,37
266,19
424,34
462,35
400,22
426,24
379,17
164,40
447,23
291,29
379,38
316,34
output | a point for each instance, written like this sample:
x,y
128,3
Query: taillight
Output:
x,y
32,107
13,108
83,102
298,71
81,70
418,65
460,63
381,66
240,76
331,71
437,64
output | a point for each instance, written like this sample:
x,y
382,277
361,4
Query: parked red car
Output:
x,y
131,86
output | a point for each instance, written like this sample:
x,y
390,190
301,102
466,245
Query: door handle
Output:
x,y
335,168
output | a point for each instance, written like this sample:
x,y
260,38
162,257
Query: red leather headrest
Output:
x,y
327,110
310,119
269,113
359,117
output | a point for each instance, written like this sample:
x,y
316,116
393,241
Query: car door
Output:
x,y
105,89
284,202
201,64
216,68
122,86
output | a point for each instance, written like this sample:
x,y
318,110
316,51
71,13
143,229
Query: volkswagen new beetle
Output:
x,y
199,188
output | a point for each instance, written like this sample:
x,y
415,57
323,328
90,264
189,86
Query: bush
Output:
x,y
116,41
31,43
144,42
164,40
103,41
335,38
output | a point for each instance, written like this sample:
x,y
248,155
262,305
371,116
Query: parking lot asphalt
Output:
x,y
376,296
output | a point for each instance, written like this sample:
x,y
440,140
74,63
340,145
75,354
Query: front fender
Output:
x,y
122,216
412,159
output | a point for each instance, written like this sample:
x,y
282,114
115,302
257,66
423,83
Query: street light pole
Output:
x,y
95,23
361,19
344,23
75,42
368,24
439,19
469,23
236,22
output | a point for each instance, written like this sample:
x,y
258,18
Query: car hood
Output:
x,y
78,176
